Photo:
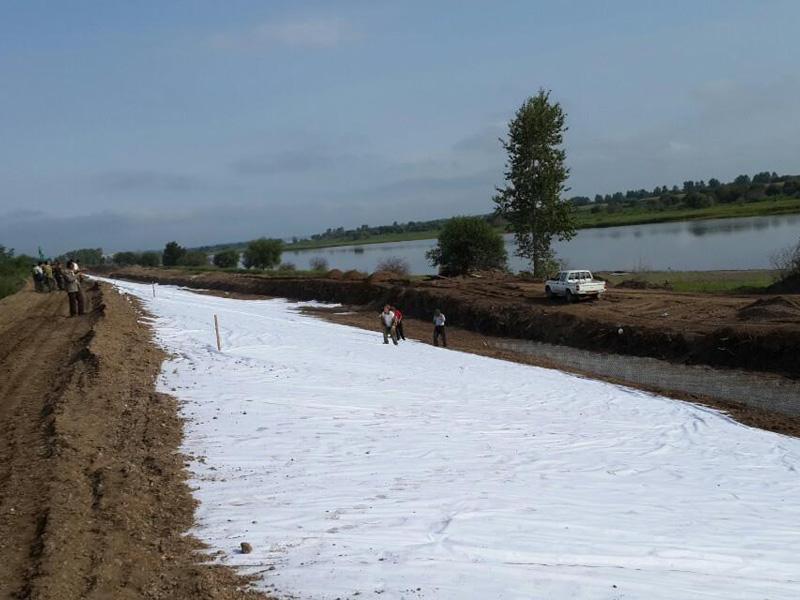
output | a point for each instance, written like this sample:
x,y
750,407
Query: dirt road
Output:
x,y
93,496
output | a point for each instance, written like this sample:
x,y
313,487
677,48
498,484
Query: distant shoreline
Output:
x,y
588,220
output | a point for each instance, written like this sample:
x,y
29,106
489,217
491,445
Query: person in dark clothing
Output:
x,y
439,321
58,274
74,295
398,318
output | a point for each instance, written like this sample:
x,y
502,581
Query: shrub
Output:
x,y
698,200
85,257
150,259
262,253
394,264
13,271
125,259
287,266
227,259
467,244
787,262
194,258
318,263
173,253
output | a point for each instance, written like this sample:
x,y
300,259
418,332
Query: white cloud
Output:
x,y
305,33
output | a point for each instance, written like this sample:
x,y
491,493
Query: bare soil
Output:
x,y
94,502
719,330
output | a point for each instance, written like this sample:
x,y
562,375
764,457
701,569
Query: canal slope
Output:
x,y
750,332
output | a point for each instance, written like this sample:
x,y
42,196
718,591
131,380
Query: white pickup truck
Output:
x,y
574,284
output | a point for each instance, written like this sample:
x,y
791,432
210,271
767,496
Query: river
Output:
x,y
745,243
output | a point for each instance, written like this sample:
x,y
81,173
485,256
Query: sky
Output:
x,y
124,125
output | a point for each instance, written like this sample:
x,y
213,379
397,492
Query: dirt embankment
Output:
x,y
93,496
706,329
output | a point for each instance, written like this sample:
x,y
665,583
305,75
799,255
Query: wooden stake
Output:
x,y
154,290
216,327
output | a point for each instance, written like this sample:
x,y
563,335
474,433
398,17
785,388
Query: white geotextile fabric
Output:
x,y
359,470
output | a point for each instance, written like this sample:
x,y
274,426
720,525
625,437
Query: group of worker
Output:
x,y
392,326
50,277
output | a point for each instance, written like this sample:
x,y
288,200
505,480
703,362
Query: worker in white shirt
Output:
x,y
388,323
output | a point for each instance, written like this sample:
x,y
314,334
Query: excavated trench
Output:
x,y
766,349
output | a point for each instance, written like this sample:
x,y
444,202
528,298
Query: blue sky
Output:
x,y
128,124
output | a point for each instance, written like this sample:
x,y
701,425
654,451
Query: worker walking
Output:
x,y
388,323
439,321
74,295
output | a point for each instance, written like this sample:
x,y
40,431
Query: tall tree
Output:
x,y
173,253
535,179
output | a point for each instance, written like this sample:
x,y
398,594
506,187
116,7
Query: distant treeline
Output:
x,y
692,194
698,194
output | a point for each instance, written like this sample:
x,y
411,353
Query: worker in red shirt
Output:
x,y
399,323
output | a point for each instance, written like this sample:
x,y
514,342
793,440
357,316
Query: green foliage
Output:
x,y
787,262
262,253
173,253
150,259
467,244
13,271
194,258
698,200
85,257
124,259
535,179
227,259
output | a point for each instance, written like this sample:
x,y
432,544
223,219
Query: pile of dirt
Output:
x,y
776,308
640,284
353,275
383,276
335,274
93,490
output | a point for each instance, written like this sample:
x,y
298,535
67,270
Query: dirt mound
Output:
x,y
94,499
777,308
790,285
335,274
381,276
353,275
639,284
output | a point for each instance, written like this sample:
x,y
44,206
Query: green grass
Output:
x,y
636,216
375,239
703,282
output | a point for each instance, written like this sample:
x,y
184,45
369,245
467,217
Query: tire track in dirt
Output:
x,y
36,355
93,496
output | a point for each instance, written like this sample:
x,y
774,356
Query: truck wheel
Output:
x,y
569,297
548,292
